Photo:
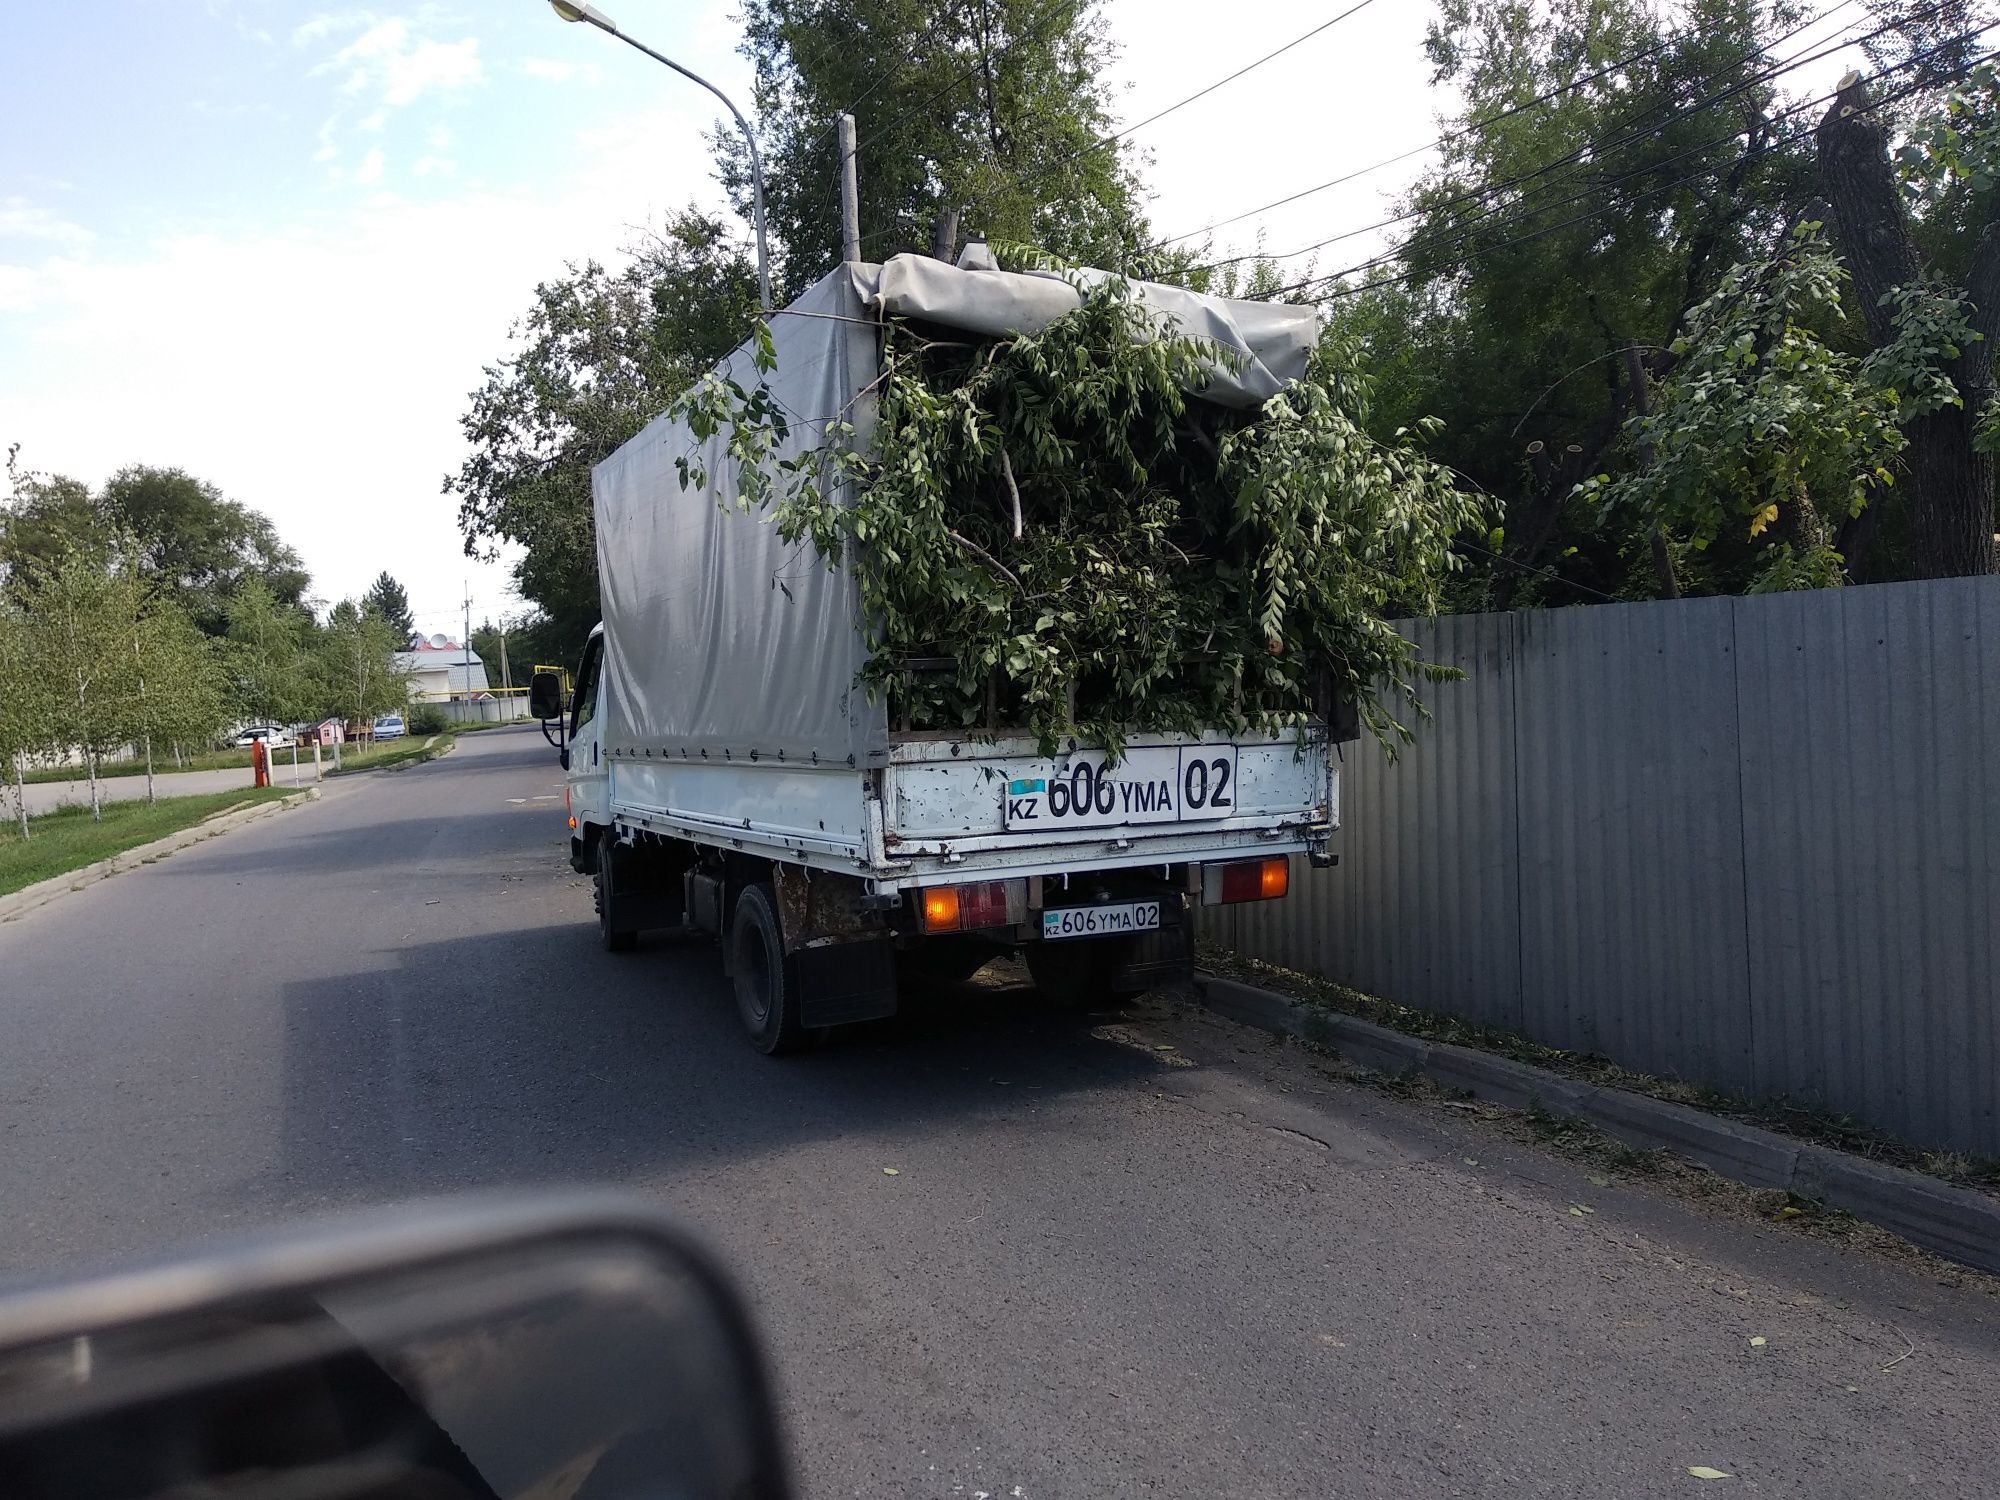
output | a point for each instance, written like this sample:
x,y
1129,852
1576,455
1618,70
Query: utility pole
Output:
x,y
850,195
944,238
468,643
506,673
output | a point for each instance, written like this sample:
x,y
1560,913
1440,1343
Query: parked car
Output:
x,y
389,727
274,737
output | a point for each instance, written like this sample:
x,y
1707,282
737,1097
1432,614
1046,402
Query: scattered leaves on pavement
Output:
x,y
1759,1342
1703,1471
892,1171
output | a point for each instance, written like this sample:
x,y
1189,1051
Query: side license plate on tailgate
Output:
x,y
1097,921
1152,784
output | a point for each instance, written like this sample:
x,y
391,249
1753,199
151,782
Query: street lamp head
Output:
x,y
570,11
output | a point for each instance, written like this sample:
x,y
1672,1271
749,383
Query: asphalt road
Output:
x,y
1162,1257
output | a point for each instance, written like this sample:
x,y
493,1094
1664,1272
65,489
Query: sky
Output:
x,y
275,243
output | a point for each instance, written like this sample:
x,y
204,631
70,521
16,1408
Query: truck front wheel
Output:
x,y
767,992
614,938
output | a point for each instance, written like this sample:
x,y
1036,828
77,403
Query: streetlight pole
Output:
x,y
570,11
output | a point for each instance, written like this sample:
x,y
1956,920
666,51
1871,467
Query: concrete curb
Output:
x,y
406,765
1957,1223
29,898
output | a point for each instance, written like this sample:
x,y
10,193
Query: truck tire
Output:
x,y
1077,974
614,939
767,991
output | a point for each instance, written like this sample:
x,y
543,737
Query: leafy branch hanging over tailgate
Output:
x,y
1088,550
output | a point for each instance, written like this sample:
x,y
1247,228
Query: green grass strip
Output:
x,y
67,839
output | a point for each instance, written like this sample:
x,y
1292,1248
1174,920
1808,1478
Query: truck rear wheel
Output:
x,y
614,939
767,991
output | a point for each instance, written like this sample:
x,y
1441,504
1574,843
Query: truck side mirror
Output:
x,y
445,1351
545,696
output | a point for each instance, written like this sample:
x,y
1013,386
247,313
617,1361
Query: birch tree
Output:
x,y
24,717
83,614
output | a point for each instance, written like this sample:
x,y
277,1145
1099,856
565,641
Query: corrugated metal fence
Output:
x,y
1752,843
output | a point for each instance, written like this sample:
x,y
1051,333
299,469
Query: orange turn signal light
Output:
x,y
1246,880
572,823
941,909
1274,878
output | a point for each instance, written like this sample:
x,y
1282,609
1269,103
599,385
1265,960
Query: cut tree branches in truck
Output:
x,y
965,610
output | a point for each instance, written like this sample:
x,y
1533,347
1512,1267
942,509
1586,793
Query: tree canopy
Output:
x,y
179,531
598,355
992,112
387,601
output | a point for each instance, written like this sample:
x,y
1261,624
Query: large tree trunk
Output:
x,y
1950,482
1656,538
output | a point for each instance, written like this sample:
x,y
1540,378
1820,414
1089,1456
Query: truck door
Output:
x,y
589,779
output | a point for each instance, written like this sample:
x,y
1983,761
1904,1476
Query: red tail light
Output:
x,y
1246,880
966,908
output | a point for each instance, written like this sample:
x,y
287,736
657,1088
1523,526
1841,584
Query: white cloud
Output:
x,y
388,66
370,169
389,62
559,71
324,25
318,372
433,166
22,220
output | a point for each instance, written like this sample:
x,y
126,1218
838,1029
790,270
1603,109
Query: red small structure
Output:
x,y
260,763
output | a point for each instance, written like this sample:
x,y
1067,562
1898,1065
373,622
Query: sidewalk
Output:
x,y
46,796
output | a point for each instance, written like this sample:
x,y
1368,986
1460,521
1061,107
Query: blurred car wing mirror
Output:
x,y
545,696
584,1347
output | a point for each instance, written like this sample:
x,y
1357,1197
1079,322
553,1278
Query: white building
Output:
x,y
440,668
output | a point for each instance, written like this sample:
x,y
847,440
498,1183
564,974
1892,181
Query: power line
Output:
x,y
1130,130
1411,275
1572,157
1513,562
1116,136
1587,149
1494,119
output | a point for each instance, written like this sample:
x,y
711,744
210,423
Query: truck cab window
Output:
x,y
586,686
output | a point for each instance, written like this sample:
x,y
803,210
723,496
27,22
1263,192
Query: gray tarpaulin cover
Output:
x,y
1273,339
721,638
717,635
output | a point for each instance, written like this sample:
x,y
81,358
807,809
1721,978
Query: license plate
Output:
x,y
1098,921
1152,784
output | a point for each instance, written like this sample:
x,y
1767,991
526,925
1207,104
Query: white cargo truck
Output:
x,y
727,772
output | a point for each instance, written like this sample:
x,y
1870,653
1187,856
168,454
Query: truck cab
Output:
x,y
588,788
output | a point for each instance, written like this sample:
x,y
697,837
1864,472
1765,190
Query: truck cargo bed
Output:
x,y
946,810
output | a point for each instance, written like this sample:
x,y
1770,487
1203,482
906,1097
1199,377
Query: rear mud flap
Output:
x,y
841,983
1163,957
